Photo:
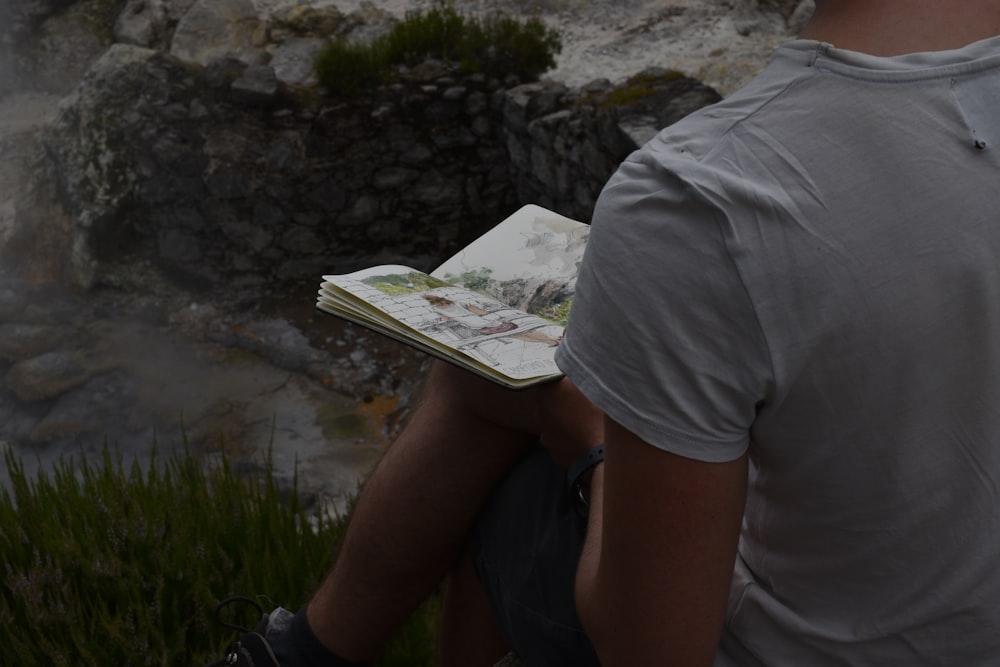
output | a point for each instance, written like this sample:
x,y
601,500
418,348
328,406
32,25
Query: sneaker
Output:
x,y
252,648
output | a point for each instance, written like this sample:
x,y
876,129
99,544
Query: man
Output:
x,y
803,424
810,272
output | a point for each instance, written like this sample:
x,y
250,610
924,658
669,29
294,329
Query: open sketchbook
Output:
x,y
497,308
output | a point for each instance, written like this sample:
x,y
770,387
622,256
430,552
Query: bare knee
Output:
x,y
459,391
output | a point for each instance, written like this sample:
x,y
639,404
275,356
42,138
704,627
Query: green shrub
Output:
x,y
107,566
497,45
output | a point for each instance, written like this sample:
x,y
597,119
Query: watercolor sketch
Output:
x,y
529,261
492,333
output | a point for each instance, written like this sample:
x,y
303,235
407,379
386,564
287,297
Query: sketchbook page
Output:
x,y
491,333
331,302
529,261
333,306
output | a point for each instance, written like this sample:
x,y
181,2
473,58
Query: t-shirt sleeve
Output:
x,y
662,334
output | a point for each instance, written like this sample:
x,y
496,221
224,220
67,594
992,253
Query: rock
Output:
x,y
393,178
47,376
24,341
257,86
563,144
302,241
221,73
214,29
97,176
98,407
178,246
639,128
276,340
150,23
434,189
302,20
143,23
293,61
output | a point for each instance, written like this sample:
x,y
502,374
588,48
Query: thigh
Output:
x,y
526,543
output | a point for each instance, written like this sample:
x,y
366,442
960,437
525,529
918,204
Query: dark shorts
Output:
x,y
526,546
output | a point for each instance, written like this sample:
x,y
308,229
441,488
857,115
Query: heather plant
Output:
x,y
348,69
439,33
113,565
500,44
496,45
638,88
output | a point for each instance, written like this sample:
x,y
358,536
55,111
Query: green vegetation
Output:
x,y
480,280
348,69
495,45
104,565
397,284
557,312
638,88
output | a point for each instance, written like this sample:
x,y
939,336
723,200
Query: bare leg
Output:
x,y
410,524
470,636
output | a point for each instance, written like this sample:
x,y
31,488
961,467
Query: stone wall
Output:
x,y
219,172
222,174
563,143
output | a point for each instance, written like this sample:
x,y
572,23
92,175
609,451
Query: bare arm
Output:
x,y
654,577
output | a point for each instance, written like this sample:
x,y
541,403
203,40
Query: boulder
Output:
x,y
47,376
293,61
149,23
97,175
93,408
214,29
24,341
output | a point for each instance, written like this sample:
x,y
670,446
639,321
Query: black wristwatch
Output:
x,y
578,478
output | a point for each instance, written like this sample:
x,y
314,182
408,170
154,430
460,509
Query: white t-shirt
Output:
x,y
811,269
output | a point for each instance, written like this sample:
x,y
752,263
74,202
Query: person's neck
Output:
x,y
895,27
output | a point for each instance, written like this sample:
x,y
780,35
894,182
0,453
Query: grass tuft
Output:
x,y
497,45
113,565
348,69
638,88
